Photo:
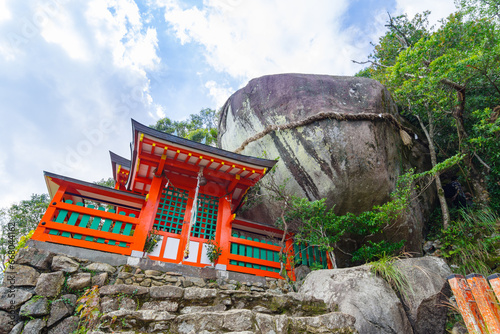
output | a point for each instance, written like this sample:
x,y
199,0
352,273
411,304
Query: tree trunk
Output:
x,y
440,192
331,254
476,181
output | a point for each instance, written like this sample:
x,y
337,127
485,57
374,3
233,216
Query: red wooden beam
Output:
x,y
87,244
86,232
253,260
96,213
112,195
185,168
253,271
49,213
254,244
260,227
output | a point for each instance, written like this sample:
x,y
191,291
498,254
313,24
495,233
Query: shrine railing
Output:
x,y
310,256
255,256
84,215
77,225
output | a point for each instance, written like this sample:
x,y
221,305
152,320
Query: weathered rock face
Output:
x,y
376,306
354,164
358,292
426,301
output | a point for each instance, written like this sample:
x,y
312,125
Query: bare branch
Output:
x,y
482,162
453,85
402,37
369,62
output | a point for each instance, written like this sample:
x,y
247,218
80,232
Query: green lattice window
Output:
x,y
170,214
206,217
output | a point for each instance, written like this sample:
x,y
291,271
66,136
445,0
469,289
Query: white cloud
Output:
x,y
5,14
59,28
247,39
219,93
121,32
439,9
71,80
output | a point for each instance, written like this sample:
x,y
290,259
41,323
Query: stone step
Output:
x,y
193,299
174,309
231,321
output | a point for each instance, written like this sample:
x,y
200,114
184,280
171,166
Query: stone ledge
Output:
x,y
143,263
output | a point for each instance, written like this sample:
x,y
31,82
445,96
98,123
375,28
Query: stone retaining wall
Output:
x,y
41,289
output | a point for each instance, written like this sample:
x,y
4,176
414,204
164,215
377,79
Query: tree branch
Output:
x,y
406,42
482,162
369,61
452,84
487,77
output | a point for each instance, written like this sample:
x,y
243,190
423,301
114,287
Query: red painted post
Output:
x,y
495,284
467,305
185,227
289,257
486,301
223,231
148,214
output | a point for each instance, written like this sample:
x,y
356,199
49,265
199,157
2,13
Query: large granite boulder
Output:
x,y
357,292
353,163
374,304
426,301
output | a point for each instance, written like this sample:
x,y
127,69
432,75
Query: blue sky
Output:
x,y
73,73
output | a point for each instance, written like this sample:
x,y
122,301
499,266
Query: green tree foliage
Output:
x,y
446,81
489,9
201,127
18,220
109,182
470,244
319,226
485,141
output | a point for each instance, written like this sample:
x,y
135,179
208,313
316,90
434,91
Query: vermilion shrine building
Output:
x,y
187,192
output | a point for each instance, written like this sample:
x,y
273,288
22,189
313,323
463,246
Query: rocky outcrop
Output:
x,y
376,307
358,292
351,155
425,302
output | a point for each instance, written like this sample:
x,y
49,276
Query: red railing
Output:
x,y
77,225
94,225
257,257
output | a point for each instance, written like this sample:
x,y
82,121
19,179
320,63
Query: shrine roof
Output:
x,y
78,189
119,160
138,127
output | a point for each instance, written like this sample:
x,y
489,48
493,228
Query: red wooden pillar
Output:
x,y
148,213
467,305
185,226
486,301
495,284
290,255
223,231
40,230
